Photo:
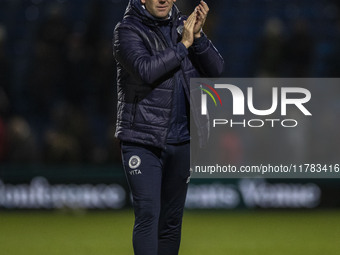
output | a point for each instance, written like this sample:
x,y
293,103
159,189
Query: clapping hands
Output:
x,y
194,24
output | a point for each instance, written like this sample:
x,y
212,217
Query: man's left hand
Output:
x,y
202,12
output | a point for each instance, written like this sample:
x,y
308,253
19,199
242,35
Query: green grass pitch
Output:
x,y
204,233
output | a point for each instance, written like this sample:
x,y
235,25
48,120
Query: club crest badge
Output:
x,y
134,162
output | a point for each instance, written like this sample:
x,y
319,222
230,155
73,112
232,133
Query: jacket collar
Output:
x,y
135,8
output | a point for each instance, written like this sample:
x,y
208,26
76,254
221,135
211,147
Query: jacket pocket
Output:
x,y
133,112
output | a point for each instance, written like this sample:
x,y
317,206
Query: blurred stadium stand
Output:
x,y
57,65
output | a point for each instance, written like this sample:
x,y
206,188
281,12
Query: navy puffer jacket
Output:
x,y
148,67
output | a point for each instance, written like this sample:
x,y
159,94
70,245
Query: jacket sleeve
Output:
x,y
131,52
206,57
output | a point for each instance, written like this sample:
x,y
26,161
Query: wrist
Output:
x,y
198,34
186,44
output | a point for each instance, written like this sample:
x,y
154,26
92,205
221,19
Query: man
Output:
x,y
157,52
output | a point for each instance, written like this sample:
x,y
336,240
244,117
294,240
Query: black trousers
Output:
x,y
158,182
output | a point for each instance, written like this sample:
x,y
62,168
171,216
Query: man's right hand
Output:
x,y
188,30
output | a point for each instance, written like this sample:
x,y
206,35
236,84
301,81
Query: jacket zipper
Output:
x,y
134,106
160,34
